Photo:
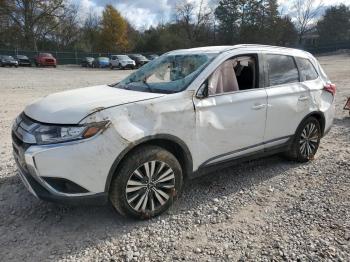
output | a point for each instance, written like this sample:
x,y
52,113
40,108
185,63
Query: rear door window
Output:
x,y
307,70
281,70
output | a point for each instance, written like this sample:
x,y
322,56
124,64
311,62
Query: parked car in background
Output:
x,y
140,60
23,60
7,60
87,61
45,59
152,57
185,114
122,61
100,62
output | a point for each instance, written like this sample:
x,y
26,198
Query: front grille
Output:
x,y
22,130
22,139
18,142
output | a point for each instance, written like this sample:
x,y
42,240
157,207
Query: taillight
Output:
x,y
331,88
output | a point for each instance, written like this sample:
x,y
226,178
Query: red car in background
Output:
x,y
45,59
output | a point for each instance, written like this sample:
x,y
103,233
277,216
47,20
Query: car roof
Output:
x,y
245,47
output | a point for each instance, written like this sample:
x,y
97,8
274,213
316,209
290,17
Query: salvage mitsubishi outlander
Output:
x,y
186,113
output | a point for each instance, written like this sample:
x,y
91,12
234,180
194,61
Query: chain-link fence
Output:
x,y
63,57
75,57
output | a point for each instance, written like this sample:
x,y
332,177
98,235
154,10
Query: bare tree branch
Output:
x,y
306,13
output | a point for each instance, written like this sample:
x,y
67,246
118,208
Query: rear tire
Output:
x,y
147,183
306,141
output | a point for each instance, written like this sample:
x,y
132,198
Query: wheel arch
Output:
x,y
319,116
169,142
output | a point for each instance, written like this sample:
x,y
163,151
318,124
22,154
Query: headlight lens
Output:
x,y
46,134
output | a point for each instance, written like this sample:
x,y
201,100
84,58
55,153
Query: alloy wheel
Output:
x,y
150,186
309,140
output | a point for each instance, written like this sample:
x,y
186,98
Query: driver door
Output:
x,y
230,120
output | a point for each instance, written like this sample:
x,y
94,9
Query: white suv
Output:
x,y
122,62
183,114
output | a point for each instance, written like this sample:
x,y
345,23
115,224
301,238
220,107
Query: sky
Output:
x,y
145,13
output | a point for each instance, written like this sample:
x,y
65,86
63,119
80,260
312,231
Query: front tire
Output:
x,y
306,141
147,183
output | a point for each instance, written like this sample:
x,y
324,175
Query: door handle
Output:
x,y
303,98
258,107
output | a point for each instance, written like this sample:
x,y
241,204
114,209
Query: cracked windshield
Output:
x,y
167,74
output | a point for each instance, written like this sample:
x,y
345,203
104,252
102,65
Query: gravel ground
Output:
x,y
264,210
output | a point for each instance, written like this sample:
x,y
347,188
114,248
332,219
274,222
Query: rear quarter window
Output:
x,y
306,68
281,69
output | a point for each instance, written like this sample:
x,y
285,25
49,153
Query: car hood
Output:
x,y
70,107
9,60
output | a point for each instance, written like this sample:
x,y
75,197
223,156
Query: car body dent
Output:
x,y
163,115
137,117
72,106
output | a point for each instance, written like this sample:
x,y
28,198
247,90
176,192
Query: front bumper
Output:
x,y
9,63
103,65
24,63
142,63
41,192
129,65
68,172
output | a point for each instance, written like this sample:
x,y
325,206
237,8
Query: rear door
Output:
x,y
288,99
310,79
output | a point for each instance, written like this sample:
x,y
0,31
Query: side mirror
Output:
x,y
203,91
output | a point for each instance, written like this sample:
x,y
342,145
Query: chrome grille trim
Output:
x,y
23,127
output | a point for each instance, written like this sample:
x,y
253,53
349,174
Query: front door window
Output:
x,y
234,74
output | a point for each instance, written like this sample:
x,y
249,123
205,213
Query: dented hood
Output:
x,y
72,106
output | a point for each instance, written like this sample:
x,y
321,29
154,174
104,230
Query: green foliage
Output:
x,y
228,14
334,27
251,21
53,25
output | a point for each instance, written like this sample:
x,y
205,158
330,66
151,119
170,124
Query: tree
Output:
x,y
67,33
90,32
33,19
248,21
228,15
306,12
286,33
334,26
114,30
259,22
194,19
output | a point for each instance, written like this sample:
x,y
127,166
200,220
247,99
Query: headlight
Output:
x,y
50,134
